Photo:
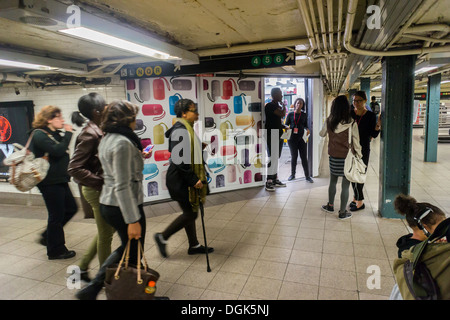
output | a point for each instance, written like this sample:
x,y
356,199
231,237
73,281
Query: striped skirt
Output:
x,y
337,166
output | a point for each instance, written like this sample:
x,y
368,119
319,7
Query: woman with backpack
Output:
x,y
86,170
61,206
337,126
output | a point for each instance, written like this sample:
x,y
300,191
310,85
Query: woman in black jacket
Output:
x,y
186,177
298,123
368,128
58,198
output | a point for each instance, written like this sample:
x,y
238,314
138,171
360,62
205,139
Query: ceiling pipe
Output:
x,y
322,25
307,22
314,24
351,11
9,77
330,24
339,30
252,47
430,39
428,28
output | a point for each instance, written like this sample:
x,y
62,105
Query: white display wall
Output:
x,y
229,120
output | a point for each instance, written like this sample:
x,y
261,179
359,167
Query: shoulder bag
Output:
x,y
354,167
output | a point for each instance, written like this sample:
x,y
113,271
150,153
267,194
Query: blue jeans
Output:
x,y
61,207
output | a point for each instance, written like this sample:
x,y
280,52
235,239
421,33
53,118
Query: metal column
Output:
x,y
365,86
397,103
432,118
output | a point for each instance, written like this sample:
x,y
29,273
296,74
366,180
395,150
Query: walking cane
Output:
x,y
202,213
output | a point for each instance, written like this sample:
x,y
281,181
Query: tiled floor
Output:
x,y
276,245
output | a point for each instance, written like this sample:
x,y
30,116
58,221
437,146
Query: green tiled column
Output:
x,y
397,103
432,118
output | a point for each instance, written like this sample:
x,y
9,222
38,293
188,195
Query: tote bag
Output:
x,y
354,167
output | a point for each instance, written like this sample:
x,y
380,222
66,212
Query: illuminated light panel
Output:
x,y
111,41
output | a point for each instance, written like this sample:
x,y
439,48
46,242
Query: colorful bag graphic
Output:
x,y
239,101
229,150
231,173
245,158
152,188
154,110
172,100
215,165
224,127
245,120
162,155
131,85
254,107
222,109
181,84
220,181
150,169
159,92
248,176
209,123
243,140
144,91
214,146
228,88
215,90
246,85
158,133
258,177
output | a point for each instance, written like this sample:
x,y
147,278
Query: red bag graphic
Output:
x,y
228,151
131,85
153,110
162,155
221,108
228,88
158,88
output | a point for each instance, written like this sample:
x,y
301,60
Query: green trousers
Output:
x,y
101,244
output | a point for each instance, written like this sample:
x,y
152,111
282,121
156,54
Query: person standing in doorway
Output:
x,y
274,112
297,121
368,128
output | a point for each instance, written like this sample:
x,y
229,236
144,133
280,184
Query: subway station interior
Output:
x,y
227,55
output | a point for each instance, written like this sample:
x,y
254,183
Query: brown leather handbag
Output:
x,y
126,282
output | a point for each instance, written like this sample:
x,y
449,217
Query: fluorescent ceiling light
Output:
x,y
24,65
424,69
377,87
108,40
446,81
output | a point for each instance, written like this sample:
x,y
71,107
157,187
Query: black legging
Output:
x,y
298,146
113,216
186,220
269,154
358,187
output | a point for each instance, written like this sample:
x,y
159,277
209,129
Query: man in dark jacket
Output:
x,y
274,112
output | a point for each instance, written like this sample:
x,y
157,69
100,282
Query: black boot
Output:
x,y
91,291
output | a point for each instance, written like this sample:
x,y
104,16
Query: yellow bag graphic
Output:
x,y
158,133
245,120
224,126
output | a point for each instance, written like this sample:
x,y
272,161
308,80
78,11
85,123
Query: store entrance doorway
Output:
x,y
292,89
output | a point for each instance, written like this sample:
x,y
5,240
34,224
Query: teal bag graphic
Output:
x,y
150,169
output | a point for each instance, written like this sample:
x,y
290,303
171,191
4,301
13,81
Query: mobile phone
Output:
x,y
148,148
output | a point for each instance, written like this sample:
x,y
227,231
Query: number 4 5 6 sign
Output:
x,y
273,60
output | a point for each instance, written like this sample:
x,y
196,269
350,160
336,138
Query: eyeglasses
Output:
x,y
359,100
193,110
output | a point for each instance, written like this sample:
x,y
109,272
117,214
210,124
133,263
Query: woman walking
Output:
x,y
86,170
368,128
186,177
297,121
122,196
58,198
338,126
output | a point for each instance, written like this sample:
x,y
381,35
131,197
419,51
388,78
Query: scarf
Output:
x,y
197,166
127,132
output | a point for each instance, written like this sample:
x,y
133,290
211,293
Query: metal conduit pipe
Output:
x,y
330,24
253,47
307,22
430,39
428,28
4,77
351,11
314,25
322,25
339,30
